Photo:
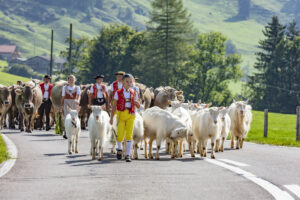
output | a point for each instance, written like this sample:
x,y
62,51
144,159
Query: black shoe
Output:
x,y
48,128
119,154
65,135
127,158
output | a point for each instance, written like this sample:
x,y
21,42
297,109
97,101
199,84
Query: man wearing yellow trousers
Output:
x,y
124,103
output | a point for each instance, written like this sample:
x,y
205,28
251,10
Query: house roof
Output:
x,y
47,58
7,48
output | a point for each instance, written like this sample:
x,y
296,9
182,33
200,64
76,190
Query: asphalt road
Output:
x,y
43,170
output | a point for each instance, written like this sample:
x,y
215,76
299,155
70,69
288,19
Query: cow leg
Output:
x,y
150,149
242,142
1,121
237,142
135,153
232,142
157,150
21,121
76,143
213,141
167,146
191,147
69,145
100,150
222,145
146,155
181,148
217,145
173,146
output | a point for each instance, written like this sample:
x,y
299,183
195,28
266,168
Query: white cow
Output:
x,y
241,117
226,123
99,130
184,115
207,124
159,125
73,129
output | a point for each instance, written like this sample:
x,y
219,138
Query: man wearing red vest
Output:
x,y
45,107
124,103
98,92
116,85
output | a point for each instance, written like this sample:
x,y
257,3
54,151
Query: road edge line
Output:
x,y
13,152
272,189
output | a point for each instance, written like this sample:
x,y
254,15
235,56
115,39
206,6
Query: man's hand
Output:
x,y
111,121
137,104
60,108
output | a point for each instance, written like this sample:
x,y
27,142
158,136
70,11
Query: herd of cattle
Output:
x,y
163,117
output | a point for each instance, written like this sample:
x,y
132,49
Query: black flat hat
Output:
x,y
99,76
120,73
47,76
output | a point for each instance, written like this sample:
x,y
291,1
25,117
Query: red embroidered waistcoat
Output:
x,y
122,101
42,85
74,94
95,91
115,87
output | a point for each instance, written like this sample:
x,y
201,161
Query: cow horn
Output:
x,y
35,84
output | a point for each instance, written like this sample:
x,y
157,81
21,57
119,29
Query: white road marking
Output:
x,y
294,189
275,191
13,152
239,164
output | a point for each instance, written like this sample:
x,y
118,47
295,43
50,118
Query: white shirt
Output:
x,y
71,89
120,85
46,93
99,90
126,96
136,88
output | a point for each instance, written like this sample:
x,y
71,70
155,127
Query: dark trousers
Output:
x,y
45,108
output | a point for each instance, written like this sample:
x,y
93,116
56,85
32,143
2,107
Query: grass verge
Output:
x,y
281,129
4,155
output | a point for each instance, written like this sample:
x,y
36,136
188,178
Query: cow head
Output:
x,y
223,113
73,114
241,107
26,92
179,133
4,95
96,112
214,114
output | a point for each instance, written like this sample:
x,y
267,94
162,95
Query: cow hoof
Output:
x,y
212,157
76,151
70,153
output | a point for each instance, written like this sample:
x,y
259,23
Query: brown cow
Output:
x,y
29,98
13,111
84,112
163,95
56,96
5,103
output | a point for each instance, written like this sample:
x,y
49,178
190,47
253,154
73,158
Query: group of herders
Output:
x,y
124,97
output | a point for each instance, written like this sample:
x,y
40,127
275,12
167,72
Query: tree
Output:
x,y
166,49
275,84
113,50
210,70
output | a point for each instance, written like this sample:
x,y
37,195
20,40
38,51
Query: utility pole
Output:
x,y
51,53
70,50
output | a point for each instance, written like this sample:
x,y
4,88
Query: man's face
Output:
x,y
127,83
71,80
46,80
99,80
119,78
